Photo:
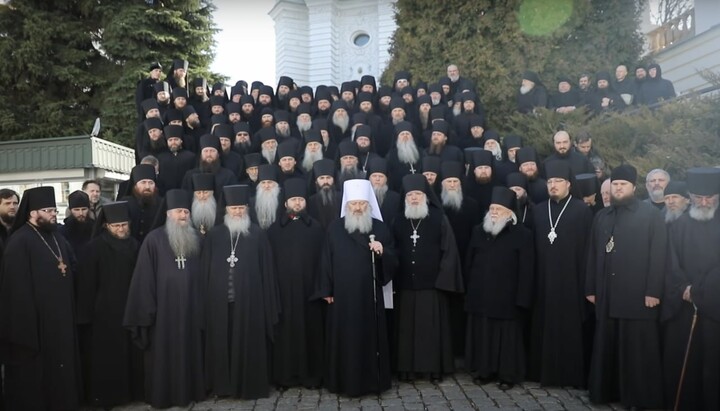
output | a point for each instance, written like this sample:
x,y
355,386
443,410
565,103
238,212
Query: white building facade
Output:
x,y
331,41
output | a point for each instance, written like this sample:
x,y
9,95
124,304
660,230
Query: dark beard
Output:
x,y
210,166
7,220
243,148
46,226
327,196
483,180
194,123
622,202
158,144
436,149
145,200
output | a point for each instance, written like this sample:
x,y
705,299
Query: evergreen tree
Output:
x,y
63,63
493,42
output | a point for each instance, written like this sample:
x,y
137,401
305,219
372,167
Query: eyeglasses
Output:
x,y
49,210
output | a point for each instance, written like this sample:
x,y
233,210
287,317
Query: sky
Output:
x,y
246,30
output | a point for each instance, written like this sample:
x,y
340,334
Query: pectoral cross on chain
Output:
x,y
414,237
180,260
62,266
412,169
232,260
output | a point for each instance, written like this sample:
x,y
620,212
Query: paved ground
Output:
x,y
457,393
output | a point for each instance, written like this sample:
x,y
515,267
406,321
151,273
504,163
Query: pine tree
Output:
x,y
73,61
493,42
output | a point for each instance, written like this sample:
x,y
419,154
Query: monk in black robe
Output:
x,y
210,162
625,276
356,334
143,200
297,241
241,302
405,157
324,205
429,268
499,277
694,281
114,365
164,308
389,200
175,162
562,227
37,311
78,227
480,180
463,214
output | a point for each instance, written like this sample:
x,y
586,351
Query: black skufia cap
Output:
x,y
237,195
142,172
78,199
516,180
287,148
211,141
505,197
324,167
482,158
624,172
431,164
677,187
116,212
377,165
294,187
703,181
252,160
586,184
174,131
525,155
558,169
267,172
452,169
203,182
414,182
178,198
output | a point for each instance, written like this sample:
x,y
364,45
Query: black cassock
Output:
x,y
163,316
356,360
499,278
299,340
695,262
114,365
626,361
429,270
239,332
560,311
324,213
37,324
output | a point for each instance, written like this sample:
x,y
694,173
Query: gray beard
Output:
x,y
238,225
657,196
671,216
424,119
702,214
203,213
269,155
304,126
380,193
283,133
493,228
497,153
327,196
396,121
343,123
266,205
349,173
416,212
310,158
361,224
457,111
452,199
407,152
184,240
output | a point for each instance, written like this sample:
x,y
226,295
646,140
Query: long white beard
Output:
x,y
203,212
497,153
360,223
380,193
456,111
304,126
310,158
343,122
238,225
491,227
525,90
416,212
183,239
452,199
702,214
407,151
269,155
266,205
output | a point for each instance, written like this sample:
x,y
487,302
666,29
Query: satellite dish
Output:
x,y
96,128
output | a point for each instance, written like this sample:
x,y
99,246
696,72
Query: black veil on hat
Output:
x,y
36,198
